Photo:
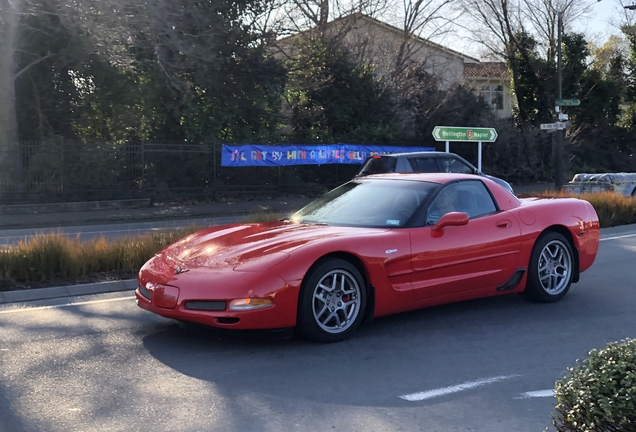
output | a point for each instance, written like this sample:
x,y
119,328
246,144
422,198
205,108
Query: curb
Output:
x,y
147,213
22,209
66,291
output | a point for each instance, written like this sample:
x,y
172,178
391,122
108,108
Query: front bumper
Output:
x,y
210,307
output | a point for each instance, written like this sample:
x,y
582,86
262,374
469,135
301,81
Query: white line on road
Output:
x,y
537,394
429,394
618,237
30,309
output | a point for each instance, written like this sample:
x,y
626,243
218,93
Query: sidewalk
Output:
x,y
52,215
90,213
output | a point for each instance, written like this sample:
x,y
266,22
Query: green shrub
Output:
x,y
599,393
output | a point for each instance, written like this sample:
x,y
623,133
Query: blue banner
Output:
x,y
285,155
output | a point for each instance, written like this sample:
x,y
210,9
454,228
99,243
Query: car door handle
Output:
x,y
503,224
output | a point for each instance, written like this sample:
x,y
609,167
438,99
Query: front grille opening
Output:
x,y
206,305
144,292
228,320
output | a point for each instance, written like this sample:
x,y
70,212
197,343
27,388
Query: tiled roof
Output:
x,y
358,15
486,70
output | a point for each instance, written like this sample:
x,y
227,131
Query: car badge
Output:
x,y
179,270
390,251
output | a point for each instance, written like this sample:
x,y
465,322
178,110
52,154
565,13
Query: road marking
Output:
x,y
618,237
429,394
38,308
537,394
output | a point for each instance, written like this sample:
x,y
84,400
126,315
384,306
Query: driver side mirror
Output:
x,y
451,219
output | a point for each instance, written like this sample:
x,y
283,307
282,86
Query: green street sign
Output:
x,y
567,102
452,133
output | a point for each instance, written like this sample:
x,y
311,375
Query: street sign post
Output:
x,y
567,102
463,134
452,133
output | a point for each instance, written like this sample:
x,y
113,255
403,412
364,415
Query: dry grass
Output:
x,y
264,216
612,210
57,257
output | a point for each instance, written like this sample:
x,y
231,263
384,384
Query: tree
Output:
x,y
630,83
333,99
129,70
524,34
9,156
423,103
418,17
533,81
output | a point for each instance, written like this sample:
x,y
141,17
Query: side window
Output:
x,y
474,199
470,197
456,166
424,165
444,202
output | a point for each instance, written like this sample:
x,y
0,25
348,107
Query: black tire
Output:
x,y
332,301
550,270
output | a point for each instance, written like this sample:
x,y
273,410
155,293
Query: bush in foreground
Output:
x,y
599,393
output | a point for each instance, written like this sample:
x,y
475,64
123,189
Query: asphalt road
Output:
x,y
101,364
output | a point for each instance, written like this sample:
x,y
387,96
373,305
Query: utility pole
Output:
x,y
558,166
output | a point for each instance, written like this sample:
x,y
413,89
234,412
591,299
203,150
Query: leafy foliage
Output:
x,y
170,71
521,155
599,393
630,97
204,72
423,102
332,99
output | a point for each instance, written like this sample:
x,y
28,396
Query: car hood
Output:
x,y
249,247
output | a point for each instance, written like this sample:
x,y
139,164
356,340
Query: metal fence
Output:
x,y
63,171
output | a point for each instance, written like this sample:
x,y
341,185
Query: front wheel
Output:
x,y
332,301
551,269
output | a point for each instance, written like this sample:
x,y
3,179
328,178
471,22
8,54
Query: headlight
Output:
x,y
249,304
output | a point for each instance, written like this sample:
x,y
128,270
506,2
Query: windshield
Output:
x,y
367,203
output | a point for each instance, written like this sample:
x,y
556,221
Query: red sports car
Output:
x,y
377,245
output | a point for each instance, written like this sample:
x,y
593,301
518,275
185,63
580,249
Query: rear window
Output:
x,y
379,165
423,164
452,165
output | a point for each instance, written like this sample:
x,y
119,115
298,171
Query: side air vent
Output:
x,y
514,280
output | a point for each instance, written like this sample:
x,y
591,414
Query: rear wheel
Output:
x,y
551,269
332,301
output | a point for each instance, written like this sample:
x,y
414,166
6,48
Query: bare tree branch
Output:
x,y
30,65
